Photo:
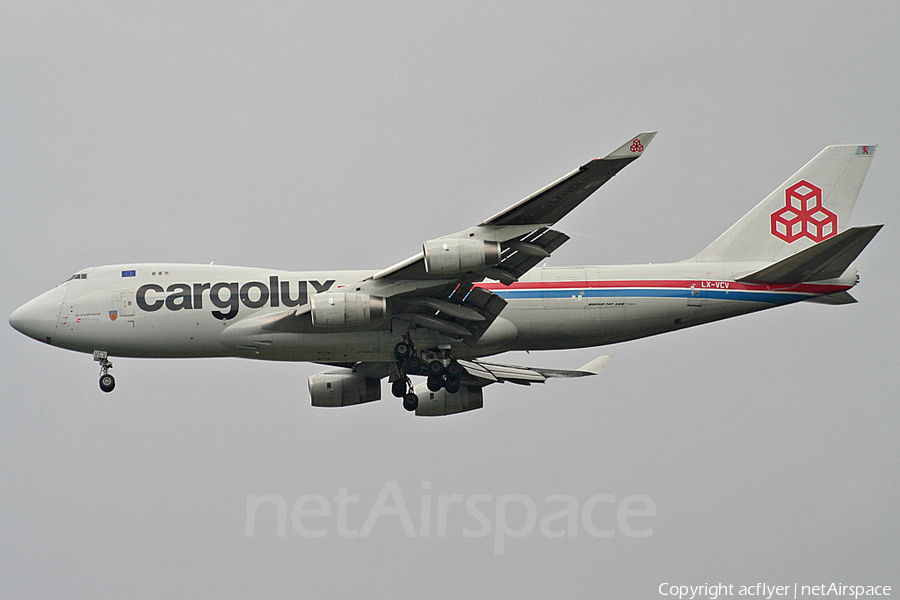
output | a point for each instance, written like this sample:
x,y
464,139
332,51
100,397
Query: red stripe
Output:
x,y
808,288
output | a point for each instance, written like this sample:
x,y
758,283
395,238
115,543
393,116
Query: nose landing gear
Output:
x,y
107,381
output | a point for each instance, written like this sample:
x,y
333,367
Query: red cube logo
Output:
x,y
803,215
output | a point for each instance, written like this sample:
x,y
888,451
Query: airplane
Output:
x,y
469,295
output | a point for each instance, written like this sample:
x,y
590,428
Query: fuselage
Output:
x,y
470,294
183,310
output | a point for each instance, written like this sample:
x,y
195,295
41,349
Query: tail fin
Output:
x,y
806,209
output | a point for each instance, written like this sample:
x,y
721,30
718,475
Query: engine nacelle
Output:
x,y
449,256
345,309
343,387
436,404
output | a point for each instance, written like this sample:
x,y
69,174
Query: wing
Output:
x,y
523,228
478,375
549,205
521,235
435,289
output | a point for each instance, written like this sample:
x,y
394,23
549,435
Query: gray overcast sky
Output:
x,y
341,136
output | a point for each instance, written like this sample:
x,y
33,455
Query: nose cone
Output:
x,y
37,318
17,320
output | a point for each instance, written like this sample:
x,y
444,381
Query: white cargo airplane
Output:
x,y
468,295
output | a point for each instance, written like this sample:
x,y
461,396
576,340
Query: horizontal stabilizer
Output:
x,y
835,299
825,260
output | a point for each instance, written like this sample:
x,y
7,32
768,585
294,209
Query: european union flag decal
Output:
x,y
128,273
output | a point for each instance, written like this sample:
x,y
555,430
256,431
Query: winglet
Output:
x,y
633,147
596,365
592,368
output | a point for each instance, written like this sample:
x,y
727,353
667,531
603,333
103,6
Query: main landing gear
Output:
x,y
442,371
403,387
107,381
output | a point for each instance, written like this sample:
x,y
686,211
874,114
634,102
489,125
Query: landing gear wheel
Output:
x,y
410,402
454,369
413,364
435,383
452,385
107,383
435,368
399,388
403,350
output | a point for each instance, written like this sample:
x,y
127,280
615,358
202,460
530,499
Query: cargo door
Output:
x,y
124,307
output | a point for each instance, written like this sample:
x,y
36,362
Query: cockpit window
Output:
x,y
77,276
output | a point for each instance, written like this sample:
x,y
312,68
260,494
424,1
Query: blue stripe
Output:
x,y
741,295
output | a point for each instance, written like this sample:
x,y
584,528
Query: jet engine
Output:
x,y
450,256
435,404
343,387
344,309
